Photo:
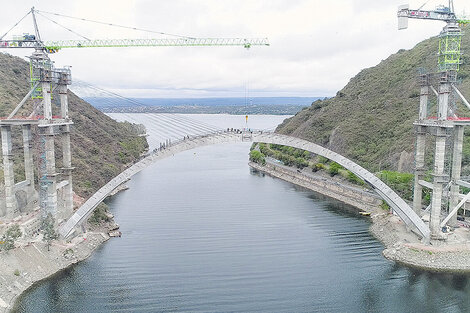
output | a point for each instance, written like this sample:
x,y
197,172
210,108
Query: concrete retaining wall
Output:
x,y
360,199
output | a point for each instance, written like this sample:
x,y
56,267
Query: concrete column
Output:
x,y
51,173
444,91
67,169
46,93
419,169
64,105
439,179
28,156
10,201
456,169
423,102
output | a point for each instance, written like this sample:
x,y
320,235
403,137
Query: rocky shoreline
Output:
x,y
401,245
31,263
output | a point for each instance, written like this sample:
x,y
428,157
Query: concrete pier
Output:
x,y
11,209
456,169
419,169
439,179
67,173
51,206
64,106
67,192
423,99
46,94
28,158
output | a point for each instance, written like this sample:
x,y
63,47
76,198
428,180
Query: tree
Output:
x,y
8,239
48,230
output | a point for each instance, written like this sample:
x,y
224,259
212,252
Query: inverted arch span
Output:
x,y
403,210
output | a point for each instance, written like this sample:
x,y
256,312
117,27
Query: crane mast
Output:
x,y
450,38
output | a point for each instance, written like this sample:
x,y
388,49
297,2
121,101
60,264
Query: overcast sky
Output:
x,y
316,46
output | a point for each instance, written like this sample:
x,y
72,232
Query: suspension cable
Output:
x,y
115,25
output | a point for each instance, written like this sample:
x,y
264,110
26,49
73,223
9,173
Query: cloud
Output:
x,y
316,46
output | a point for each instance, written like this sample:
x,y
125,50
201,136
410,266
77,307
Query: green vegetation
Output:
x,y
371,119
300,158
16,272
334,168
287,155
402,183
48,230
257,157
99,215
385,206
322,160
354,179
318,167
9,237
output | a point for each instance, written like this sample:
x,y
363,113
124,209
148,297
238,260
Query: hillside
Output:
x,y
101,147
370,119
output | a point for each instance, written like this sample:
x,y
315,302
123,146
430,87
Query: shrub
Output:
x,y
317,167
402,183
322,160
8,239
99,214
334,169
354,179
48,230
385,206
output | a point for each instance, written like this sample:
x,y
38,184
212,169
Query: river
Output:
x,y
204,233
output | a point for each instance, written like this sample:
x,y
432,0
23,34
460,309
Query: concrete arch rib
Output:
x,y
398,204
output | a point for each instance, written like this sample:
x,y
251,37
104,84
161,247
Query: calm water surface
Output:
x,y
203,233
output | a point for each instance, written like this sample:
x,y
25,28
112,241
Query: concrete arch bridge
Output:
x,y
403,210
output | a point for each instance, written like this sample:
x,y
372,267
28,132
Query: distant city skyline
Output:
x,y
316,46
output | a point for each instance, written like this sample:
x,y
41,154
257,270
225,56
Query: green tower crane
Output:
x,y
45,78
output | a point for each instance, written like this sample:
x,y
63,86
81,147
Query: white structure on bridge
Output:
x,y
404,211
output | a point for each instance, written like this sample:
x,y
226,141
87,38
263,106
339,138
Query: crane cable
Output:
x,y
73,32
15,25
423,5
115,25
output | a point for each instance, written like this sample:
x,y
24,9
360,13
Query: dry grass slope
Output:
x,y
101,147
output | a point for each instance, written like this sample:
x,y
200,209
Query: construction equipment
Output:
x,y
450,37
45,80
446,125
34,41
